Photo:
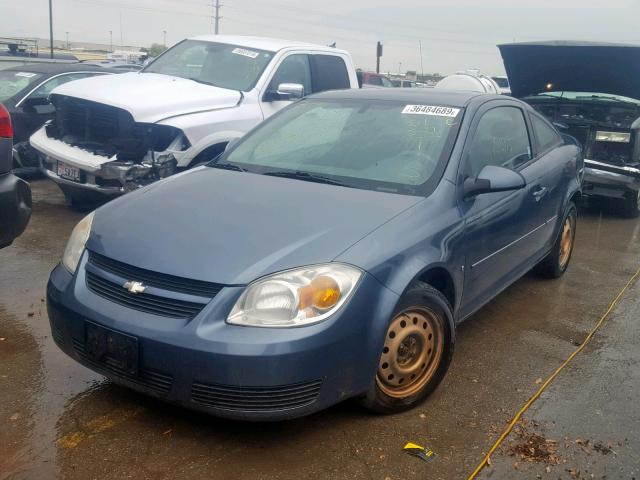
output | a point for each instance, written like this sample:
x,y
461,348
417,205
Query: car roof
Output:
x,y
422,96
262,43
56,68
570,43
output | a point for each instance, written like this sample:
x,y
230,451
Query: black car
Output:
x,y
15,193
24,90
592,91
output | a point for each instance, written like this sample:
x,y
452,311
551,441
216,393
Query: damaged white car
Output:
x,y
111,135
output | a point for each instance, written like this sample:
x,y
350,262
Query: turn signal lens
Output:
x,y
322,293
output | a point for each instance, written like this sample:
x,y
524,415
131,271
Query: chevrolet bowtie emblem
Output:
x,y
135,287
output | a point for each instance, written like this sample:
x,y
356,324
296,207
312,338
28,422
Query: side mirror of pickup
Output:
x,y
286,91
493,179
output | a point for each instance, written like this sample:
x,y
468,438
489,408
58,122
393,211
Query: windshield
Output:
x,y
371,144
218,64
12,82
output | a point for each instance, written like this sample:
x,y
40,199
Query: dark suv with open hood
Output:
x,y
593,90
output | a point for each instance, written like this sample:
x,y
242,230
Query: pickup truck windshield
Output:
x,y
371,144
218,64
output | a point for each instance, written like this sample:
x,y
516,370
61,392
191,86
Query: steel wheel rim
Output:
x,y
411,354
566,242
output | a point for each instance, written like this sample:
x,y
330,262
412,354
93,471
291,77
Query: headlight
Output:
x,y
618,137
75,245
295,297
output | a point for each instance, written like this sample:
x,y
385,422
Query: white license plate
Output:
x,y
69,172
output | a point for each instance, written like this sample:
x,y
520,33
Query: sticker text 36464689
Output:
x,y
431,110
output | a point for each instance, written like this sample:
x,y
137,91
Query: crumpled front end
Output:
x,y
92,147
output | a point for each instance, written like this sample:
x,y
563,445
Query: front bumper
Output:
x,y
101,178
232,371
605,180
15,207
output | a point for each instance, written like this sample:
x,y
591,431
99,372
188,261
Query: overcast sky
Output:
x,y
455,34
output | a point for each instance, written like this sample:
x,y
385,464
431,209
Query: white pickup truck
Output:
x,y
113,134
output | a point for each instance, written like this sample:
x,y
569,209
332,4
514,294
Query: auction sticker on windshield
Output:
x,y
431,110
245,52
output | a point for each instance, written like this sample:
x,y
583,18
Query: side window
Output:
x,y
293,69
545,134
374,80
501,139
386,82
328,72
46,88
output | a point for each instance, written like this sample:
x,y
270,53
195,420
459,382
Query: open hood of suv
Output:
x,y
150,97
572,66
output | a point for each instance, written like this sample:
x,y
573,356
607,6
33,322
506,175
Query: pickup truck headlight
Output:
x,y
75,245
617,137
295,297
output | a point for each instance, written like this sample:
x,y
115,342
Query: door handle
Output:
x,y
539,192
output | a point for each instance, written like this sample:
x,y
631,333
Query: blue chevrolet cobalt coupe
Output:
x,y
329,254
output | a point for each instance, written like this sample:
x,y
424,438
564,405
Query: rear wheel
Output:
x,y
416,353
555,264
631,206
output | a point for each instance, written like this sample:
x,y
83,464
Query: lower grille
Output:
x,y
257,399
153,380
163,306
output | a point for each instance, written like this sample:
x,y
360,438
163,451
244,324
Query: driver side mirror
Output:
x,y
290,91
32,102
493,179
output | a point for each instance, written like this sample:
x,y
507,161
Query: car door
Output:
x,y
316,72
555,172
500,227
293,68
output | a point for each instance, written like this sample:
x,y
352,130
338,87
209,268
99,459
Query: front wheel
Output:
x,y
555,264
416,354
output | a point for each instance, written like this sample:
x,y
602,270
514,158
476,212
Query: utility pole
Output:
x,y
164,42
378,55
217,17
67,34
51,28
111,41
421,66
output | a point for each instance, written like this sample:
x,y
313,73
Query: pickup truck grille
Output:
x,y
89,121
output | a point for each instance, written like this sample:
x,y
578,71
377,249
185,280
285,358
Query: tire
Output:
x,y
631,205
418,348
557,261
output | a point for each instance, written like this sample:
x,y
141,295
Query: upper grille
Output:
x,y
155,279
261,399
89,121
144,302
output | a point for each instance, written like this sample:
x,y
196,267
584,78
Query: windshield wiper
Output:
x,y
201,81
606,97
227,166
309,177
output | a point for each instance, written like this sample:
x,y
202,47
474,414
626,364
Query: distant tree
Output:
x,y
155,49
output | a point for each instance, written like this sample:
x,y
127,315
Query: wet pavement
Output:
x,y
60,420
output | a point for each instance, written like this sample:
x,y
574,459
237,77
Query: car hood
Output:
x,y
572,66
150,97
231,227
